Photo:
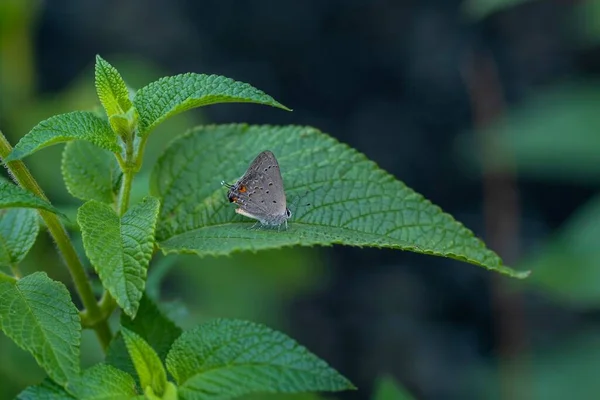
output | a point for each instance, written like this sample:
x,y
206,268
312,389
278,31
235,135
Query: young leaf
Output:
x,y
152,326
103,381
47,390
38,315
78,125
120,248
149,368
89,172
228,358
18,229
351,200
13,196
172,95
111,88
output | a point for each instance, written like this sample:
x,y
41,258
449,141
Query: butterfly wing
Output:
x,y
259,192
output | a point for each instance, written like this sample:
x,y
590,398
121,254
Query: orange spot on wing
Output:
x,y
242,189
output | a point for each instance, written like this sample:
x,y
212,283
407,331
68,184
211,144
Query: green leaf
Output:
x,y
223,359
388,389
18,230
103,381
566,267
47,390
13,196
149,368
120,248
479,9
111,88
78,125
38,315
352,201
89,172
532,134
172,95
152,326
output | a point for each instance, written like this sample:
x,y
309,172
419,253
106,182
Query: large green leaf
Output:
x,y
38,315
90,173
120,248
13,196
223,359
172,95
352,201
77,125
150,369
47,390
103,382
18,230
111,88
152,326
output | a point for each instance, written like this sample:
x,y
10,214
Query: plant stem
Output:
x,y
125,191
58,232
16,271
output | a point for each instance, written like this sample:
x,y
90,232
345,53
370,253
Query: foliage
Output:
x,y
352,202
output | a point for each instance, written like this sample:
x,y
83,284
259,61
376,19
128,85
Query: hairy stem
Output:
x,y
58,232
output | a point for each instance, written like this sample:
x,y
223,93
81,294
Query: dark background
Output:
x,y
428,90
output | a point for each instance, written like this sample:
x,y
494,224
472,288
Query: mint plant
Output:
x,y
352,202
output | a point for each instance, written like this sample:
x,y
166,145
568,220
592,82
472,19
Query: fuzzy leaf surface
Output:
x,y
150,369
89,172
77,125
120,248
352,201
172,95
223,359
47,390
38,315
13,196
111,88
18,230
103,382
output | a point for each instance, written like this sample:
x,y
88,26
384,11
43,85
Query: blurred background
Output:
x,y
489,108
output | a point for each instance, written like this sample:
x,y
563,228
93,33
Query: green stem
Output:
x,y
16,271
125,191
58,232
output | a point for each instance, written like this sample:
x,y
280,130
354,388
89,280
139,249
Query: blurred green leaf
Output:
x,y
586,22
228,358
77,125
120,248
554,135
13,196
53,331
352,201
90,172
152,326
18,230
150,369
564,367
479,9
111,88
388,389
47,390
103,381
567,267
172,95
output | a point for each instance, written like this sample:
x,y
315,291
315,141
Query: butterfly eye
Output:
x,y
288,213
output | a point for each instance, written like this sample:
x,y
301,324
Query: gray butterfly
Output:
x,y
259,192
